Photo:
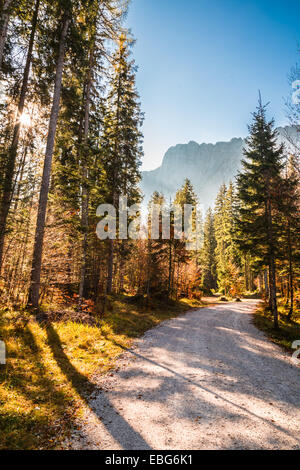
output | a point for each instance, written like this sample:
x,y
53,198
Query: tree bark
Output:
x,y
272,267
34,290
246,274
114,195
273,291
170,268
266,281
12,154
4,20
110,267
291,273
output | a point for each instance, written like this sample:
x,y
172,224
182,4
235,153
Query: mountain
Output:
x,y
206,165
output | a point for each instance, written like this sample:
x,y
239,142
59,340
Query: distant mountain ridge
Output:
x,y
208,166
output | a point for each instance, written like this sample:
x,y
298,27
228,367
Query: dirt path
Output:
x,y
206,380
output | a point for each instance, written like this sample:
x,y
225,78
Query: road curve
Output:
x,y
206,380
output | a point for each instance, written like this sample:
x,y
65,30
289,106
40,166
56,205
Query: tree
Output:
x,y
43,200
121,141
290,238
4,20
185,196
208,255
259,194
227,254
156,246
12,154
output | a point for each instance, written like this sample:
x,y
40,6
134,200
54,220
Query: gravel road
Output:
x,y
206,380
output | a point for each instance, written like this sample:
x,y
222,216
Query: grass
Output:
x,y
49,367
288,332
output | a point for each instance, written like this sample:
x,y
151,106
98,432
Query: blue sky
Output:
x,y
201,64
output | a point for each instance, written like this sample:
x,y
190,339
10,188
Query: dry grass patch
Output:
x,y
289,330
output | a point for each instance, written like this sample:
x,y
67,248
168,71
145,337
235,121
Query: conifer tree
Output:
x,y
185,196
208,255
8,183
290,238
259,194
5,7
156,247
65,10
227,253
121,141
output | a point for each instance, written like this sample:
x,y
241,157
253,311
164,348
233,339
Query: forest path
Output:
x,y
206,380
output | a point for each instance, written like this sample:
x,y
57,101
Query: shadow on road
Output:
x,y
230,359
84,388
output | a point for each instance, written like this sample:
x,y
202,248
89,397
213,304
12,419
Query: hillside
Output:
x,y
206,165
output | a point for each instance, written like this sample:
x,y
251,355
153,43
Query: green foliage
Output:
x,y
228,256
208,255
258,186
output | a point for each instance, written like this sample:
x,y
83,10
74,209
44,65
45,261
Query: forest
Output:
x,y
71,139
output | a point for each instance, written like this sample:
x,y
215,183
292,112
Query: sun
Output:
x,y
25,119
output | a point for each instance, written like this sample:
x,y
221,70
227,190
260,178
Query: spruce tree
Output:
x,y
8,182
5,11
290,238
208,255
227,254
121,143
156,248
259,194
65,10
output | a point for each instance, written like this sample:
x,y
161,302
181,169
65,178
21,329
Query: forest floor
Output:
x,y
47,378
208,379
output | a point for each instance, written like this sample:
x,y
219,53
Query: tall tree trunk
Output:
x,y
110,265
34,290
170,268
287,291
114,195
246,274
291,273
149,258
3,27
260,283
273,291
12,155
272,267
267,290
85,190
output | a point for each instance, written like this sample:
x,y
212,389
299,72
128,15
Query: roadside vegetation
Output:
x,y
289,330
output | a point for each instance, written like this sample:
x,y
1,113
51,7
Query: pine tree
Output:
x,y
8,183
5,7
227,253
259,193
208,255
121,141
290,238
185,196
156,248
66,12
